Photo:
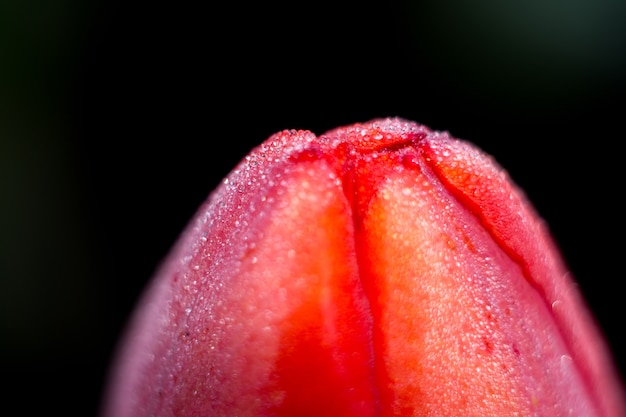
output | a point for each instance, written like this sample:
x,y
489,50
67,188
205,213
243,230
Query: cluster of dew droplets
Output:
x,y
240,198
215,240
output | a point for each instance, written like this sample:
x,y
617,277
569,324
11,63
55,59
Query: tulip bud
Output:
x,y
381,269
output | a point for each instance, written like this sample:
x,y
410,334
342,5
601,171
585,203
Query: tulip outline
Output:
x,y
380,269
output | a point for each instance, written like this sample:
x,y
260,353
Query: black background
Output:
x,y
117,129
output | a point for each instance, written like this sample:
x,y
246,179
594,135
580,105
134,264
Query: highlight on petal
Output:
x,y
380,269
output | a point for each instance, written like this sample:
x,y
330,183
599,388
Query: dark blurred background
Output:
x,y
118,118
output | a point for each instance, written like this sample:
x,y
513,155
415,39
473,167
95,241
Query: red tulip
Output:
x,y
381,269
